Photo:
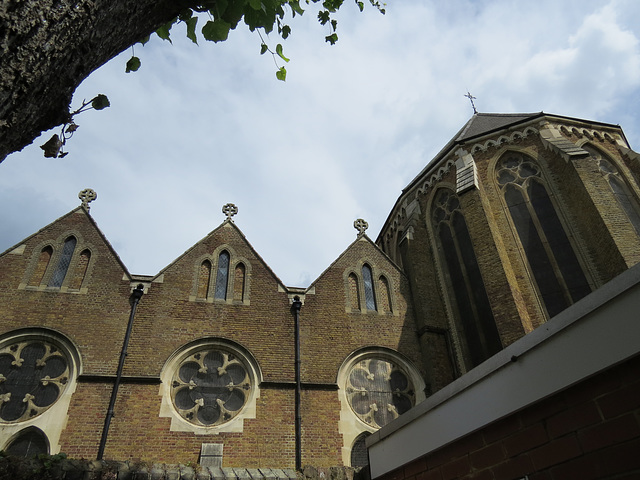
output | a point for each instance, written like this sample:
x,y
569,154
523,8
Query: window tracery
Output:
x,y
474,313
64,261
621,191
211,386
379,390
33,375
553,261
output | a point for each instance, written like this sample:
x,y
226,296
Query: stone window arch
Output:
x,y
41,267
204,277
64,260
222,276
474,320
239,282
353,292
38,372
63,265
369,289
545,241
627,201
210,386
359,453
376,385
29,442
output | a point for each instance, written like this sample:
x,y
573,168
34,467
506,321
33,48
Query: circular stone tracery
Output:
x,y
378,391
33,375
210,386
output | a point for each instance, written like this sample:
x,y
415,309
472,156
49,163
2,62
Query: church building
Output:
x,y
519,219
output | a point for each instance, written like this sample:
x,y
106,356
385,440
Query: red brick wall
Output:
x,y
589,431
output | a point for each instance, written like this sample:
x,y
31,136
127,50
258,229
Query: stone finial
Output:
x,y
361,226
230,210
87,196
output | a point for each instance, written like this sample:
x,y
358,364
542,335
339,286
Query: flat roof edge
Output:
x,y
596,333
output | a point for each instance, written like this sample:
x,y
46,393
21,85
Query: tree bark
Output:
x,y
48,47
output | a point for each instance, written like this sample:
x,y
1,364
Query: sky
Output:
x,y
198,127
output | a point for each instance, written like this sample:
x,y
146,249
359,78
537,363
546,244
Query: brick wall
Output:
x,y
589,431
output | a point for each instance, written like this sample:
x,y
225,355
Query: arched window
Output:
x,y
384,294
551,257
222,276
369,294
238,282
63,262
28,443
359,454
204,275
621,191
41,266
354,292
80,271
474,314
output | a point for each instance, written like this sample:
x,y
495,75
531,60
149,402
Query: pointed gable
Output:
x,y
67,255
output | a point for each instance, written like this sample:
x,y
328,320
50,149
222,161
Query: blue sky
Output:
x,y
201,126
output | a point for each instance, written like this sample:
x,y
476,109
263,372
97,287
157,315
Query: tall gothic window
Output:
x,y
369,294
222,277
552,259
619,188
63,262
473,309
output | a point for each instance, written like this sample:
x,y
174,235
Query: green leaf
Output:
x,y
216,31
191,29
263,49
360,6
323,17
100,102
280,54
133,65
332,39
163,31
281,74
295,7
145,40
255,4
286,31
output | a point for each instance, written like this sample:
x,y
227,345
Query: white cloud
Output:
x,y
198,127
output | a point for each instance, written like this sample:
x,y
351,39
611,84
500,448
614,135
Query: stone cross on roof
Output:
x,y
361,226
87,196
230,210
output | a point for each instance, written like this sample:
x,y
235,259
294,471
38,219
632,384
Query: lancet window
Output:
x,y
550,254
471,303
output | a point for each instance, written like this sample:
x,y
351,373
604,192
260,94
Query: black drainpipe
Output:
x,y
295,307
136,295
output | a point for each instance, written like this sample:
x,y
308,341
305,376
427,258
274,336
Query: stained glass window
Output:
x,y
211,386
379,390
33,375
369,294
63,262
222,278
552,259
474,312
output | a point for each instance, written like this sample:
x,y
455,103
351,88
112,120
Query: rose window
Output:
x,y
210,387
33,375
379,391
